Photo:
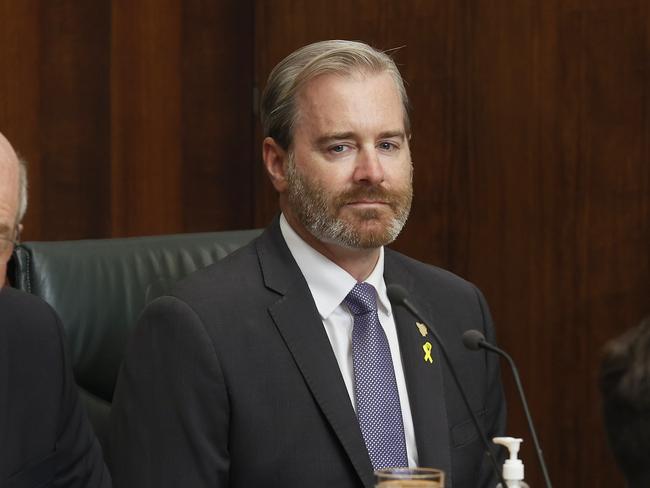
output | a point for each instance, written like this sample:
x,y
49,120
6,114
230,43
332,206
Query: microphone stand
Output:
x,y
515,373
399,295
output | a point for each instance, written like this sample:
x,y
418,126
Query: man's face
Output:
x,y
8,202
349,172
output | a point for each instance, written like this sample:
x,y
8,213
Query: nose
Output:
x,y
368,168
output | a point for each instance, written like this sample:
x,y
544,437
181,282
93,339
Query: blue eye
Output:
x,y
337,149
387,146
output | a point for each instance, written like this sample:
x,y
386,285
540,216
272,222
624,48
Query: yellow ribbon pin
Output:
x,y
427,352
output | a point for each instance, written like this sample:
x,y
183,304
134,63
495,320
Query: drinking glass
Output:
x,y
410,478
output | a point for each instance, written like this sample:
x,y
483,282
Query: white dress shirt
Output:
x,y
329,285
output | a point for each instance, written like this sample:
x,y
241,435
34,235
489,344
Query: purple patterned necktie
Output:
x,y
375,388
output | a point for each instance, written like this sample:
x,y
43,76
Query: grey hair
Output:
x,y
278,105
22,189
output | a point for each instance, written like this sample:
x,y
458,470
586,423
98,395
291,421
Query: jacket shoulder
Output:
x,y
28,316
224,276
424,273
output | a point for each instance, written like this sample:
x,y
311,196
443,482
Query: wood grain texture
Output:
x,y
181,116
218,115
55,87
136,117
559,223
20,93
145,119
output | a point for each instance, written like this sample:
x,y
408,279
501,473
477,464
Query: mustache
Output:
x,y
370,193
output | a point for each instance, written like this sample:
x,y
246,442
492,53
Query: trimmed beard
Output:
x,y
318,210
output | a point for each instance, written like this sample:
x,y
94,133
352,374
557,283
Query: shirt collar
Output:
x,y
329,283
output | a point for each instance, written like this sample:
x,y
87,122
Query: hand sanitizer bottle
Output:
x,y
513,468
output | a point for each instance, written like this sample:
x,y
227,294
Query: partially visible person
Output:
x,y
625,386
45,437
13,202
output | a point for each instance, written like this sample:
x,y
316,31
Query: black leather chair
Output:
x,y
99,288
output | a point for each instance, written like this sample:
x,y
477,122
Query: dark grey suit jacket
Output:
x,y
230,381
45,437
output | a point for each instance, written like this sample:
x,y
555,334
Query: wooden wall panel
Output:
x,y
181,116
559,197
136,117
218,115
55,72
74,112
146,117
19,93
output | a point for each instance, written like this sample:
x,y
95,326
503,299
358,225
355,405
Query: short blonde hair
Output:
x,y
278,104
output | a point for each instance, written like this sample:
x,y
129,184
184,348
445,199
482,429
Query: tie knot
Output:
x,y
362,299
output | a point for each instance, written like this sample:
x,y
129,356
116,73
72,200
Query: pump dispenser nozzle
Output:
x,y
513,468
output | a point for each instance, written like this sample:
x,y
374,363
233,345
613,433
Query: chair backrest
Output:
x,y
100,287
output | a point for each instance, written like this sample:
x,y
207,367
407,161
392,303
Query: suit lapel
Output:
x,y
424,379
299,323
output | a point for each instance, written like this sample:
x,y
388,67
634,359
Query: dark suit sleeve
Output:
x,y
79,460
169,420
495,405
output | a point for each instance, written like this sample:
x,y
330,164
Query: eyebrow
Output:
x,y
393,134
337,136
333,136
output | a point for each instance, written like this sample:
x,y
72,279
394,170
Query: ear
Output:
x,y
274,157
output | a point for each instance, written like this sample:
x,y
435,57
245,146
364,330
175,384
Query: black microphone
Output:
x,y
399,296
474,340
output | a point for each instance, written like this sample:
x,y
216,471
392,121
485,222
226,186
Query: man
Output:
x,y
13,203
285,364
625,386
45,437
